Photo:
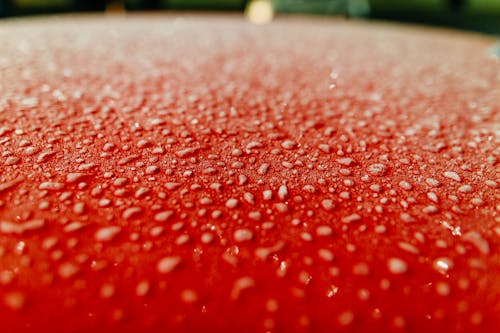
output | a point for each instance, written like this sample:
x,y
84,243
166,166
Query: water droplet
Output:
x,y
240,285
288,144
432,182
283,192
163,216
172,186
351,218
142,288
107,234
442,265
67,270
397,266
361,269
12,160
236,152
345,318
10,184
452,175
465,189
189,296
107,290
14,300
74,177
141,192
232,203
168,264
377,169
51,186
405,185
433,197
7,227
44,156
86,166
346,161
152,170
489,182
267,195
408,247
324,230
79,208
249,197
74,226
263,169
243,235
478,241
327,204
183,153
131,213
326,254
443,288
324,148
6,277
407,217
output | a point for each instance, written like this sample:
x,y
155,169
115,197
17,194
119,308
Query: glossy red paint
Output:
x,y
165,174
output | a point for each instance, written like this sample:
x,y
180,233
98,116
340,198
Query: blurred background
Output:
x,y
476,15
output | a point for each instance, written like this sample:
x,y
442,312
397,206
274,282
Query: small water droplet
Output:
x,y
232,203
345,318
240,285
132,213
327,204
377,169
283,192
397,266
452,175
478,241
189,296
67,270
346,161
243,235
168,264
288,144
142,288
351,218
442,265
51,186
14,300
107,234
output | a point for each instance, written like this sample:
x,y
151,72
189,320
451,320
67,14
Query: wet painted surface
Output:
x,y
205,174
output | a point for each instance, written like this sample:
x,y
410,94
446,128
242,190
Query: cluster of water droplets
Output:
x,y
156,175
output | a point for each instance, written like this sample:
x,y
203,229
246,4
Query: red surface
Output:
x,y
127,141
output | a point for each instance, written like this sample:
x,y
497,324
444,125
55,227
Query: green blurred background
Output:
x,y
478,15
